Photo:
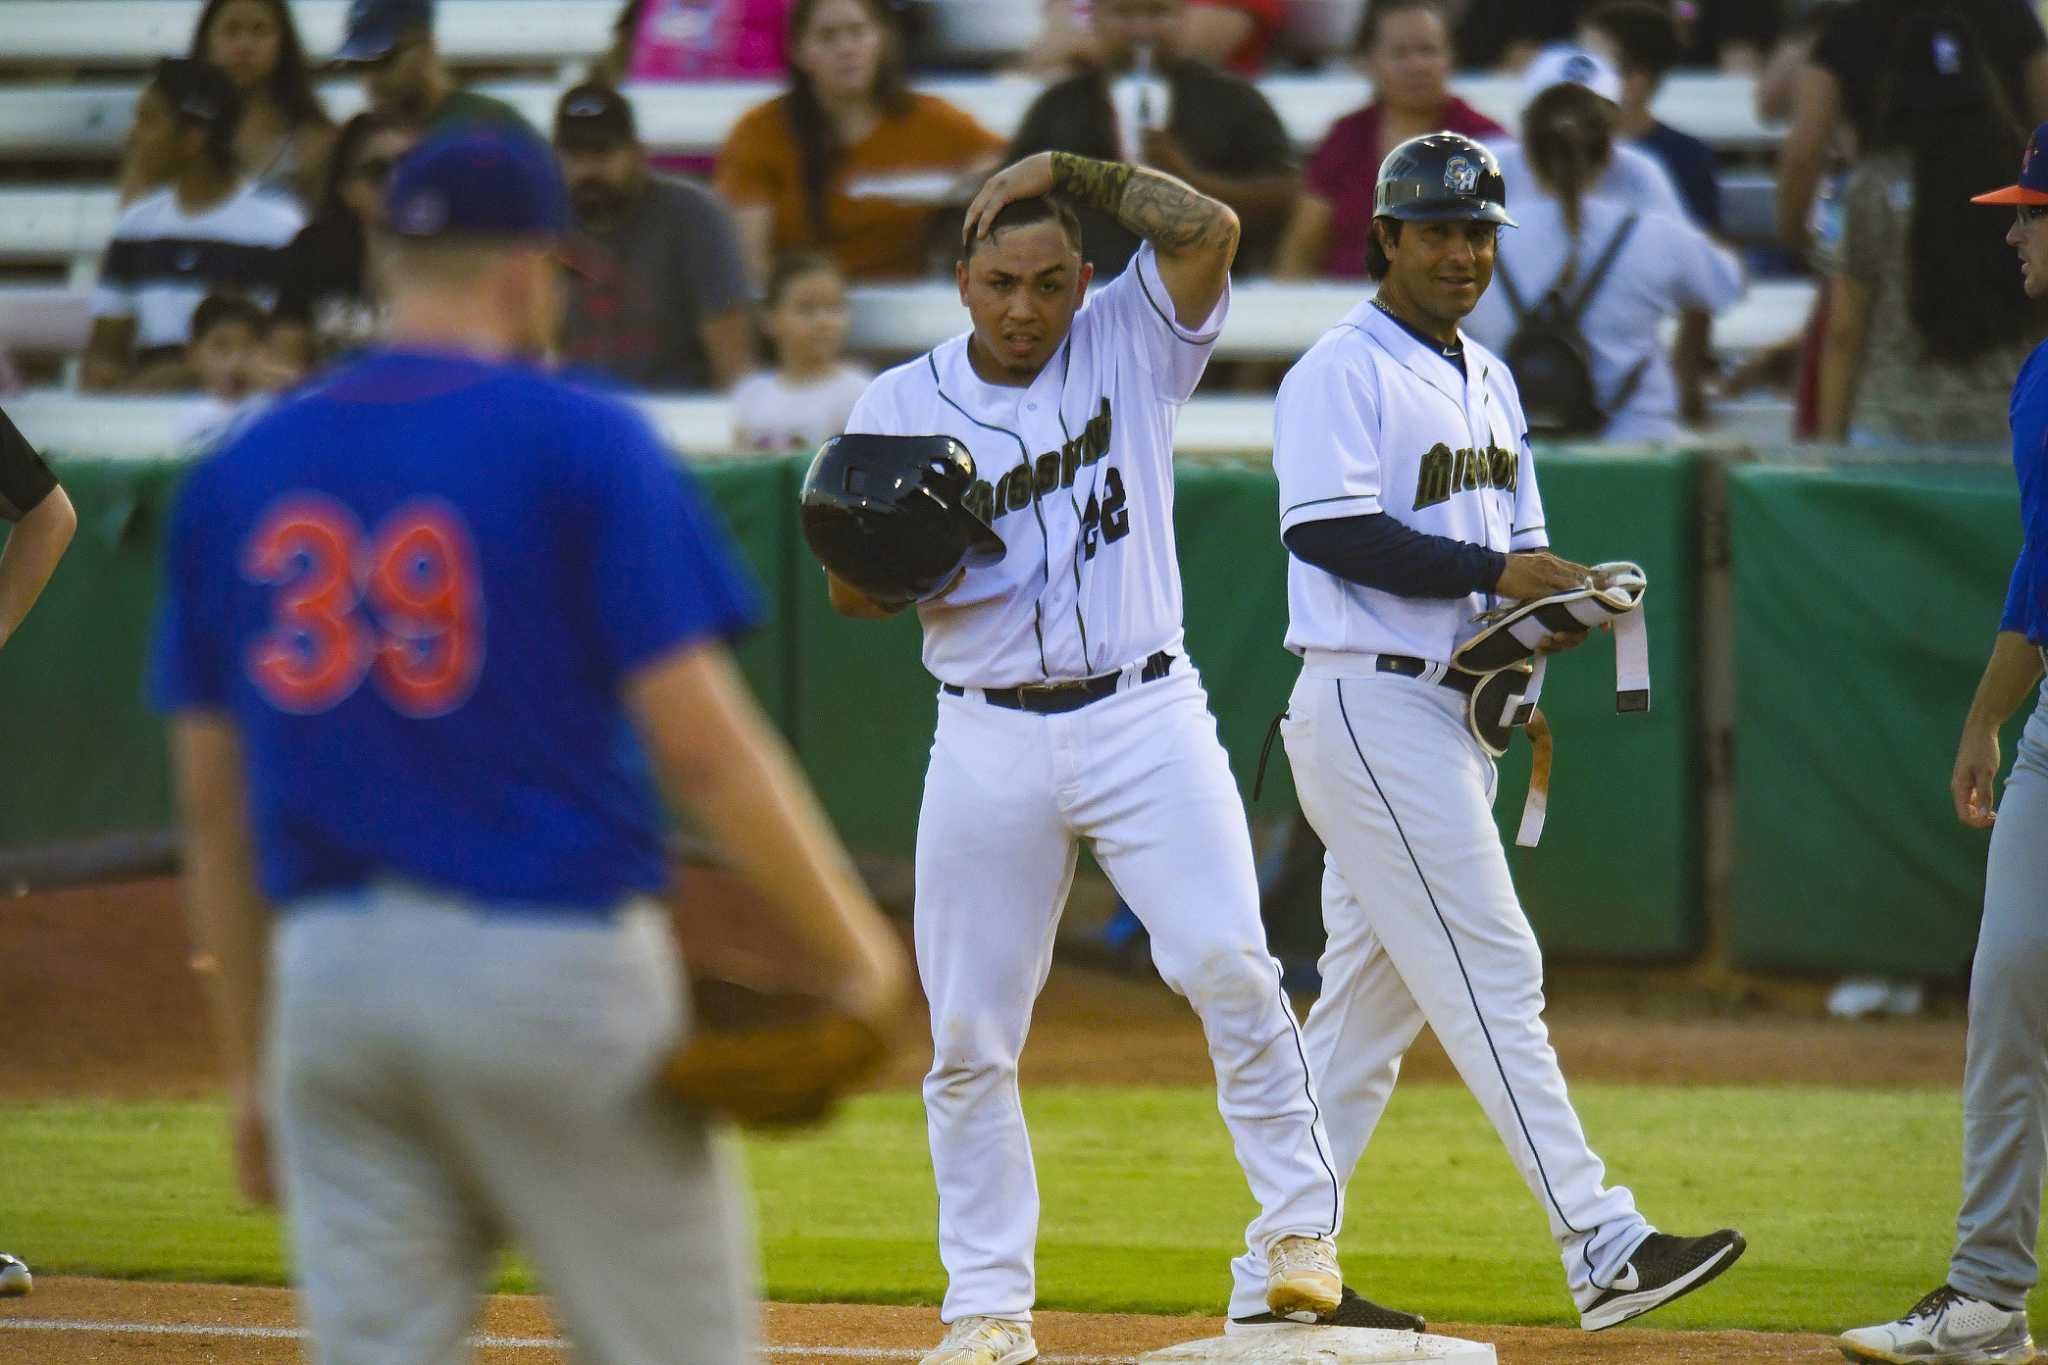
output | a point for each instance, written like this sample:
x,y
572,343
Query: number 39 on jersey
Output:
x,y
400,605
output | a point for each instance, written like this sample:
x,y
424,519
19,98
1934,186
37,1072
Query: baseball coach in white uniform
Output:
x,y
1408,505
1069,710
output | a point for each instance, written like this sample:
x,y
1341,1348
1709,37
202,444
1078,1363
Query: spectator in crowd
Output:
x,y
1632,176
670,41
1640,267
1405,49
326,305
205,232
1509,33
807,396
690,40
1215,130
230,336
1925,329
1640,40
849,161
1839,83
1235,34
660,299
1777,81
391,42
1727,35
284,134
43,521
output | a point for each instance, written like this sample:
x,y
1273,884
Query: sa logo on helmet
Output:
x,y
1460,176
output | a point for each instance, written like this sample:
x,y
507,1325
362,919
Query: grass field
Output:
x,y
1847,1198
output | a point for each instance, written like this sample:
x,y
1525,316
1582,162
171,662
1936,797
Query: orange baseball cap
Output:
x,y
2032,186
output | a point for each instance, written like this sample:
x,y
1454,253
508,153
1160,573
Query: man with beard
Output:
x,y
1154,102
391,42
660,298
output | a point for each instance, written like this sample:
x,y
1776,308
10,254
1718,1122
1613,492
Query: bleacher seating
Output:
x,y
84,121
1269,320
90,120
128,34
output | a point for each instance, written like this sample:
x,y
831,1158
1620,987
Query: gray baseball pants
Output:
x,y
2005,1081
446,1082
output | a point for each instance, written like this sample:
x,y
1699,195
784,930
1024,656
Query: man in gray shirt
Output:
x,y
661,298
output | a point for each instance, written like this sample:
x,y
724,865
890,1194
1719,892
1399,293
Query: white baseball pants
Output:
x,y
1007,800
1424,926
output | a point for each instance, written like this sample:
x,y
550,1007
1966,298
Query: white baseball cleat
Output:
x,y
14,1277
1948,1327
1302,1277
985,1341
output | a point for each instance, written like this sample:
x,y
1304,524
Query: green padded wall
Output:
x,y
754,498
84,755
865,706
1618,874
1865,602
87,758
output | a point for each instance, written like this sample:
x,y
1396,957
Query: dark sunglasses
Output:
x,y
374,168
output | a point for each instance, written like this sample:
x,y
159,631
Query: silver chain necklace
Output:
x,y
1445,351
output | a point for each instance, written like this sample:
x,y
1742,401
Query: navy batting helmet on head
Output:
x,y
890,514
1441,178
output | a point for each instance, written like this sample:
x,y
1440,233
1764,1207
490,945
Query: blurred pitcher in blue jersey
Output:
x,y
414,616
1978,1315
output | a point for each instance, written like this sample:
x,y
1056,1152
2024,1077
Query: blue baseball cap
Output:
x,y
478,182
2032,186
375,26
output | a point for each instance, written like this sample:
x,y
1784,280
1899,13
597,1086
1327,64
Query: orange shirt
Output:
x,y
883,199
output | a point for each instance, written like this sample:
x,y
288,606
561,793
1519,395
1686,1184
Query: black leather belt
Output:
x,y
1049,699
1408,666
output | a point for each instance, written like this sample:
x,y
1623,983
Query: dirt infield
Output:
x,y
186,1324
102,1002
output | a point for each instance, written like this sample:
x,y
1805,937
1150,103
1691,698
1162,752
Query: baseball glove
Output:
x,y
771,1061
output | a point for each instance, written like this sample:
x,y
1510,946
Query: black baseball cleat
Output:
x,y
1353,1310
1663,1268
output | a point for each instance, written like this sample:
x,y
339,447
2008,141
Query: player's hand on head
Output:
x,y
1026,179
1539,573
1973,782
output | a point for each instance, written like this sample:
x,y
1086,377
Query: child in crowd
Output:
x,y
805,399
230,352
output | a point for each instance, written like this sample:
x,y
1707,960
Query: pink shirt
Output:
x,y
709,40
1344,168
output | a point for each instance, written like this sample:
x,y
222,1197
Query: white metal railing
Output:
x,y
138,428
1269,320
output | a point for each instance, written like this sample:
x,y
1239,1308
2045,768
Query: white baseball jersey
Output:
x,y
1374,419
1075,472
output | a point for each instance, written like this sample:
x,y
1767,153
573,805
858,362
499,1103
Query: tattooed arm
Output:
x,y
1194,235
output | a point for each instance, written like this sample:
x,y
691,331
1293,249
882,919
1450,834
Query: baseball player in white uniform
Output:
x,y
1409,506
1069,711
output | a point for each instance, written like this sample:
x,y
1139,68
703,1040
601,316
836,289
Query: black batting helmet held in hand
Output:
x,y
889,515
1441,178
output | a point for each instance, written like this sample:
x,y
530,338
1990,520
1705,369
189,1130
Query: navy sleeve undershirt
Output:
x,y
1379,552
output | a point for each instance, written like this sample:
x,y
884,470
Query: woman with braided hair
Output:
x,y
1925,331
1626,271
